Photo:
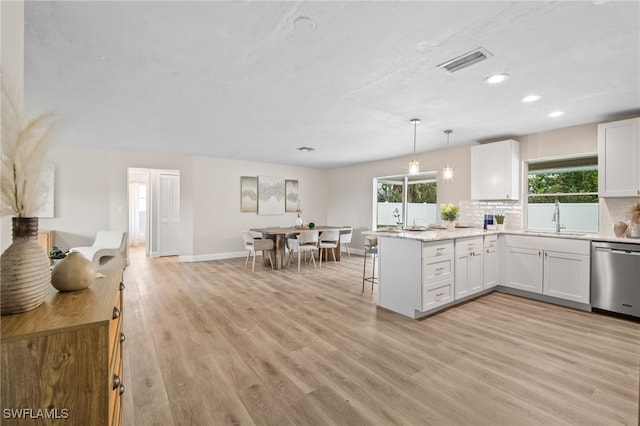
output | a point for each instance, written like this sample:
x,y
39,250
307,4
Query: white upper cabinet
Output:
x,y
495,171
619,158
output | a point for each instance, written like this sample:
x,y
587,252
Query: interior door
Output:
x,y
169,215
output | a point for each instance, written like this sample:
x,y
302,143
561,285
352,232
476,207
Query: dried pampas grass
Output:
x,y
635,214
24,146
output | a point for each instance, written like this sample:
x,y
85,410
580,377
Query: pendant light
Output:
x,y
414,165
447,171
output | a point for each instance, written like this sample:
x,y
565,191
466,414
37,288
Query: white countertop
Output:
x,y
443,234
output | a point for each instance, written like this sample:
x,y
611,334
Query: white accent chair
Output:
x,y
328,240
256,244
109,250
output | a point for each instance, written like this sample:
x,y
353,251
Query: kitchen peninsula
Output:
x,y
424,272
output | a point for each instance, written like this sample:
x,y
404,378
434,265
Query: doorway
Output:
x,y
154,211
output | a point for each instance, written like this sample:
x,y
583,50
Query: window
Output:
x,y
574,183
405,199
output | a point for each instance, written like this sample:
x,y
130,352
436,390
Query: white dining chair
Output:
x,y
256,244
307,243
370,247
328,240
345,240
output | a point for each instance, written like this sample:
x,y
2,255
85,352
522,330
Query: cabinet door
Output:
x,y
523,269
495,171
619,158
475,270
567,276
462,288
490,273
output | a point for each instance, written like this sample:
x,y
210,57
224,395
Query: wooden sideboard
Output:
x,y
62,362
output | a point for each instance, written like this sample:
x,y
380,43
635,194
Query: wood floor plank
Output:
x,y
211,343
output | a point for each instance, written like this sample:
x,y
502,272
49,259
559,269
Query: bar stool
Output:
x,y
370,247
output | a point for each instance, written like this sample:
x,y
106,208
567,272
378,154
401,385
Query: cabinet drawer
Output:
x,y
114,326
438,248
436,295
115,392
490,241
436,269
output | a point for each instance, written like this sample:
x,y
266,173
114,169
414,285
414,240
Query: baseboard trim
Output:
x,y
212,256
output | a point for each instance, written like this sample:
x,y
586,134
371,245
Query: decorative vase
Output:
x,y
619,228
451,226
26,272
633,230
500,227
74,272
299,222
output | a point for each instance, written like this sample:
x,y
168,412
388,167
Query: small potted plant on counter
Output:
x,y
499,221
449,213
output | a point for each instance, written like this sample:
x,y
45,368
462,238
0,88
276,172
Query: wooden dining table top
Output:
x,y
275,230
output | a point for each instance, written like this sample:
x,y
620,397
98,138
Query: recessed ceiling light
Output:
x,y
497,78
304,23
531,98
305,149
556,114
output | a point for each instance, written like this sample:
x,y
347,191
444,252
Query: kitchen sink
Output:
x,y
559,234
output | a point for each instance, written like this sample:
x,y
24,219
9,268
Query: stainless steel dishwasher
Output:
x,y
615,277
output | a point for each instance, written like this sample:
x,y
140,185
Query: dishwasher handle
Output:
x,y
617,251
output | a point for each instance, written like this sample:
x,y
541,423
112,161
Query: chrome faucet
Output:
x,y
556,216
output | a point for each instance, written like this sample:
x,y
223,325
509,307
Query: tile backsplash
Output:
x,y
613,210
472,212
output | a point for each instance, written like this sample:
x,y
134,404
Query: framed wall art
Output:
x,y
249,194
291,195
270,195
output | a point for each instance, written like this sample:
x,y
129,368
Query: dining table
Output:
x,y
279,235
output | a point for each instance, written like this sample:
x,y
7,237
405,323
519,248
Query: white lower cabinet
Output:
x,y
567,276
523,269
437,274
468,266
552,266
490,262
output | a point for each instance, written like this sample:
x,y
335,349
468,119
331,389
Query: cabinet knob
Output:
x,y
439,294
121,286
116,313
539,253
121,391
116,381
122,337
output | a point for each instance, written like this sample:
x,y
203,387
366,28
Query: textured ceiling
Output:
x,y
253,81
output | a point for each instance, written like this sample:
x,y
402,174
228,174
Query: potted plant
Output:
x,y
449,213
499,221
56,255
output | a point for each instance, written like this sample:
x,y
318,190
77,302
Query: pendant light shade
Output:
x,y
447,171
414,165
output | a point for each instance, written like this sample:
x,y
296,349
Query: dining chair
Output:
x,y
291,246
328,240
256,244
307,243
370,247
345,240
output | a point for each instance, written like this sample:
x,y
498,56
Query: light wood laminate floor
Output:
x,y
211,343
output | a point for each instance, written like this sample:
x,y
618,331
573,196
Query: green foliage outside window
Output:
x,y
580,186
417,193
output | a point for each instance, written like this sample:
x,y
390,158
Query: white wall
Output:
x,y
12,68
351,188
91,193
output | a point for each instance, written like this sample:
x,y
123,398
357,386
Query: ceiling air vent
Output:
x,y
463,61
